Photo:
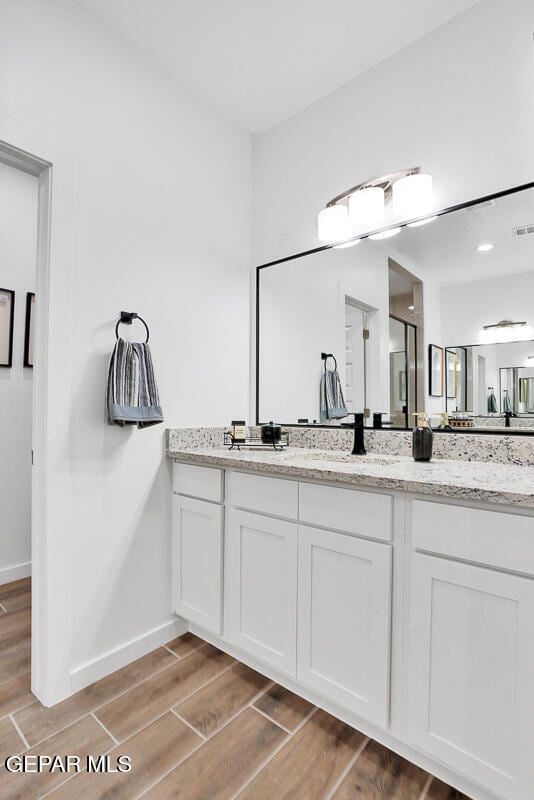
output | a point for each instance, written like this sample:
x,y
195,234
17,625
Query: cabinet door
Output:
x,y
344,620
197,561
471,675
261,588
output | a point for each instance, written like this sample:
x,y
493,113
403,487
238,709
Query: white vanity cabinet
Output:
x,y
344,620
197,542
410,617
471,645
261,587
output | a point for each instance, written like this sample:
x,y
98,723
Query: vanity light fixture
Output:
x,y
505,331
385,234
412,195
410,189
485,247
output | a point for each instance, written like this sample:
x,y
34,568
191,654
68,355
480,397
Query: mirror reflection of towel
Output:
x,y
506,405
332,400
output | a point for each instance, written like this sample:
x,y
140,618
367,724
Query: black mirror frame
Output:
x,y
449,210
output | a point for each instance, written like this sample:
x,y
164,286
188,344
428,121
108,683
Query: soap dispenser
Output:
x,y
444,422
422,439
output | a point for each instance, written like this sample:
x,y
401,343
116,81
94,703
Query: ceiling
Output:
x,y
261,62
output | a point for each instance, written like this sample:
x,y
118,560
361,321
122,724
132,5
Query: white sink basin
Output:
x,y
343,458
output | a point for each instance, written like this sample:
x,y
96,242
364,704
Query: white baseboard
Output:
x,y
92,671
15,573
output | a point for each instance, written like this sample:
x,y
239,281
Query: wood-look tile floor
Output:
x,y
197,725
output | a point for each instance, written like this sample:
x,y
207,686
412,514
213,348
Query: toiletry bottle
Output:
x,y
422,439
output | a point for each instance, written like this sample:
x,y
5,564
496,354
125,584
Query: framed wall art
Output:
x,y
7,315
30,327
435,370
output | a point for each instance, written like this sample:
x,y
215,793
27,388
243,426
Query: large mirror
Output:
x,y
438,318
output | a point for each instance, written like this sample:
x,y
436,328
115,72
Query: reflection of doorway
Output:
x,y
354,357
402,371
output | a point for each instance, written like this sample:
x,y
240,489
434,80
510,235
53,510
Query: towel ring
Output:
x,y
326,356
127,318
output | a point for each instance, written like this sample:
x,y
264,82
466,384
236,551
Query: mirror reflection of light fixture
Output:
x,y
410,189
530,361
347,244
385,234
421,222
505,331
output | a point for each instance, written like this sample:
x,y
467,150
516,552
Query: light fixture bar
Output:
x,y
385,182
505,323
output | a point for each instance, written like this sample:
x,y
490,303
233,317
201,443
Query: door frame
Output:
x,y
50,528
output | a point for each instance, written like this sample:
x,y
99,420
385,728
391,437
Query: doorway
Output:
x,y
18,248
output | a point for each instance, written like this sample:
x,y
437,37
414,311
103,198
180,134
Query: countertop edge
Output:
x,y
408,485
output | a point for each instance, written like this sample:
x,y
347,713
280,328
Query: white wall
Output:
x,y
161,227
458,102
18,235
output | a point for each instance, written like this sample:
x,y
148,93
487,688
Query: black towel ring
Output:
x,y
127,318
326,356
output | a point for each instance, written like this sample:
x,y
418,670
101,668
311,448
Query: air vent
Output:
x,y
524,229
479,206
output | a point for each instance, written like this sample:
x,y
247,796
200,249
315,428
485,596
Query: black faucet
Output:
x,y
358,448
508,415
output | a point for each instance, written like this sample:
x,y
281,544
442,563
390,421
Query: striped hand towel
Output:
x,y
332,403
132,395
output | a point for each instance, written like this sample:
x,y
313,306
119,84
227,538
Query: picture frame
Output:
x,y
29,329
7,317
435,370
452,374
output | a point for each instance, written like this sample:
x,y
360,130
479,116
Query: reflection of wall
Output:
x,y
469,306
301,316
18,231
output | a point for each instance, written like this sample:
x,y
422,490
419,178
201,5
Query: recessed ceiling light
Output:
x,y
485,247
347,244
385,234
421,222
411,308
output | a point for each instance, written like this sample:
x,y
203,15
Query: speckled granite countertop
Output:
x,y
465,480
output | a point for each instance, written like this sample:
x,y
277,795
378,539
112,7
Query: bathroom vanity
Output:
x,y
397,596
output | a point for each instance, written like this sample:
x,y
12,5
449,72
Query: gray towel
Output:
x,y
132,396
332,400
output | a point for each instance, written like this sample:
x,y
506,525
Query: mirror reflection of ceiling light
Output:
x,y
485,247
411,193
421,222
385,234
505,331
411,308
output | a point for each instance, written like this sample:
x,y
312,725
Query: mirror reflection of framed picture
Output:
x,y
7,314
452,373
435,370
30,327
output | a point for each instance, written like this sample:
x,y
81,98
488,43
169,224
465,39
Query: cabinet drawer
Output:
x,y
274,496
493,538
203,482
350,510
